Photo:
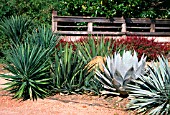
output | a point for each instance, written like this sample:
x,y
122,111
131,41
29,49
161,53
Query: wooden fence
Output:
x,y
117,26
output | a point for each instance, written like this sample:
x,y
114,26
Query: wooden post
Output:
x,y
152,27
90,27
123,26
54,24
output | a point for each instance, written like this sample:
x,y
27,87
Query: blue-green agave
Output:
x,y
120,70
151,94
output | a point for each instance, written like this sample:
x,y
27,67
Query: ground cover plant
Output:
x,y
142,45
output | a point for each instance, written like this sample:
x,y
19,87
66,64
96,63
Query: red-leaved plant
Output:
x,y
140,44
143,45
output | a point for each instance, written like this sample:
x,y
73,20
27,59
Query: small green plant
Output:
x,y
120,70
151,94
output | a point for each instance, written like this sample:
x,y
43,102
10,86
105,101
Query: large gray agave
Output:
x,y
119,70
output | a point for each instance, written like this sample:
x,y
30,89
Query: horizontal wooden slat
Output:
x,y
105,20
147,21
162,21
112,27
138,20
72,26
162,28
94,32
149,33
138,27
106,27
114,33
87,19
87,26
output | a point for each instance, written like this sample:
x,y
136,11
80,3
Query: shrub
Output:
x,y
151,94
142,45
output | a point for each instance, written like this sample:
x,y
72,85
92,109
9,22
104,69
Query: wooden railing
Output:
x,y
80,25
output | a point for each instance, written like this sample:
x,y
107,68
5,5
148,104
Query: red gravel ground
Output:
x,y
63,105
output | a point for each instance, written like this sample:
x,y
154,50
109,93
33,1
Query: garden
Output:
x,y
41,65
92,75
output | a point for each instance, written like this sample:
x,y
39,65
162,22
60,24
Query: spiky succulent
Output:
x,y
151,94
119,70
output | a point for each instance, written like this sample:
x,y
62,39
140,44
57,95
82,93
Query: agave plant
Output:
x,y
30,72
15,28
43,36
95,47
151,94
69,74
29,63
119,71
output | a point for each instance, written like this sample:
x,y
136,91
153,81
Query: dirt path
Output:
x,y
62,105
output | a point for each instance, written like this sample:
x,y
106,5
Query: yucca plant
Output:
x,y
95,47
43,36
120,70
69,73
29,62
151,94
15,27
30,69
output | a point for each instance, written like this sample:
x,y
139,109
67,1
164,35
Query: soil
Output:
x,y
62,104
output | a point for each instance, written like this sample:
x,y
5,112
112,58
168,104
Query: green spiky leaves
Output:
x,y
151,94
30,69
29,64
15,27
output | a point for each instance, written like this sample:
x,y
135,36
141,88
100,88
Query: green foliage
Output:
x,y
95,47
69,73
29,64
15,27
43,36
115,8
151,94
119,71
30,68
4,46
40,10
